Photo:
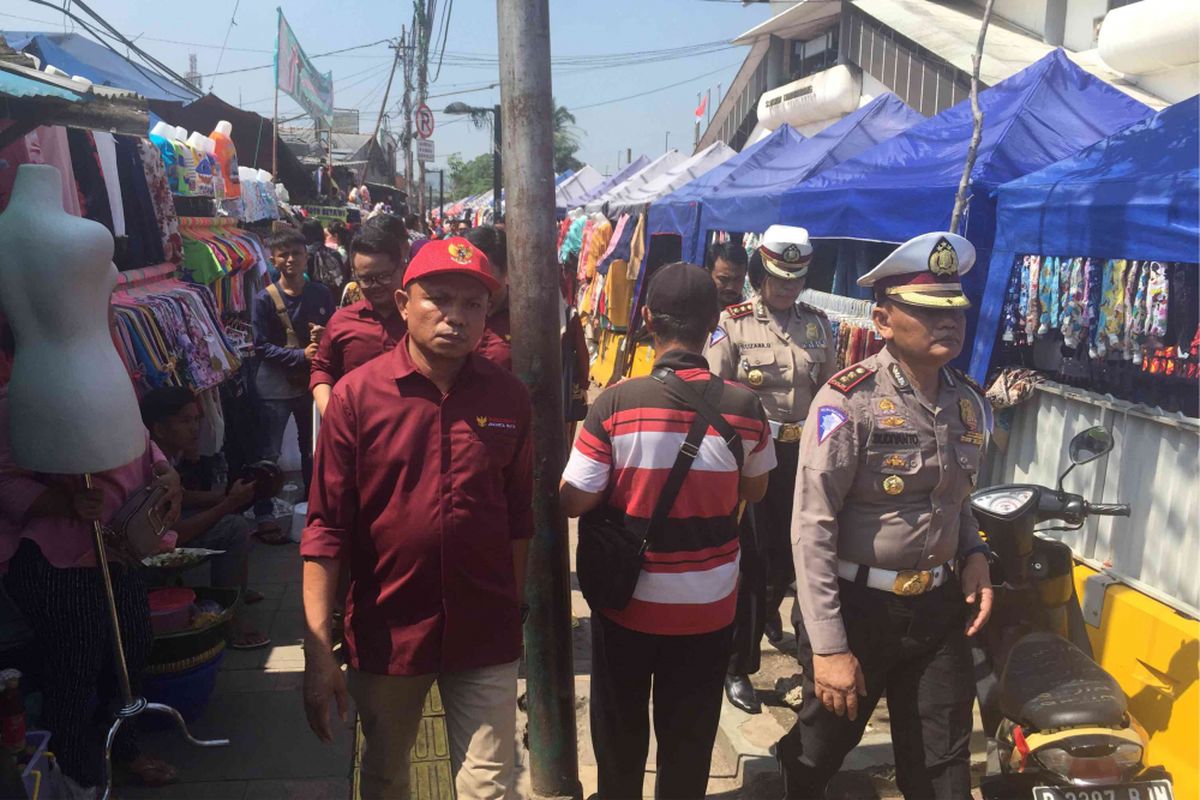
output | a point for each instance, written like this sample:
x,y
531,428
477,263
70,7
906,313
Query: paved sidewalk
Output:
x,y
257,705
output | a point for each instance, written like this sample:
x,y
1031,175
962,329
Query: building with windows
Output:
x,y
815,61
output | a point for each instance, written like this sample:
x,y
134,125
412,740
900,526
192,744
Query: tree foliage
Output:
x,y
470,177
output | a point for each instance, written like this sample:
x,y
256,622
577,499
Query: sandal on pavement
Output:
x,y
270,533
252,596
249,640
148,771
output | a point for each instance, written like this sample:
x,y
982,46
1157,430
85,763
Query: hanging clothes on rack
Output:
x,y
852,324
218,253
170,331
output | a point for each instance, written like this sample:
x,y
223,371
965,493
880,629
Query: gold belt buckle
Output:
x,y
911,582
789,432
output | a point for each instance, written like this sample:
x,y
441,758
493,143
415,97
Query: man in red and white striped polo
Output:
x,y
675,632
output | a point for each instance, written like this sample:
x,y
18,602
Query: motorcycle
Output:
x,y
1060,723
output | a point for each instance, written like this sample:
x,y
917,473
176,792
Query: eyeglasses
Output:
x,y
379,279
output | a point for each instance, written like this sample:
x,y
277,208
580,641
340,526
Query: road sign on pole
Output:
x,y
425,151
424,121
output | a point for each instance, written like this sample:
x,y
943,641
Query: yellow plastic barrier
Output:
x,y
1154,653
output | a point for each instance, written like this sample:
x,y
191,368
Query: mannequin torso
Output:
x,y
72,405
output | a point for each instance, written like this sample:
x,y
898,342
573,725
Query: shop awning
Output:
x,y
906,185
78,55
658,166
572,191
699,164
1135,194
752,199
679,211
624,174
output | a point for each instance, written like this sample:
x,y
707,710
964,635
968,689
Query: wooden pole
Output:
x,y
964,183
275,136
535,304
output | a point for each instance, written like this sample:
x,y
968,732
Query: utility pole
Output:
x,y
535,306
407,138
372,144
424,32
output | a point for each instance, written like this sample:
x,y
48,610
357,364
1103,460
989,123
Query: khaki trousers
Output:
x,y
481,719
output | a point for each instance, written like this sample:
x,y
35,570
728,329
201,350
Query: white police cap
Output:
x,y
786,252
924,271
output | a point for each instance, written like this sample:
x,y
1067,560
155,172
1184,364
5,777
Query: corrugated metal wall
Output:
x,y
1153,467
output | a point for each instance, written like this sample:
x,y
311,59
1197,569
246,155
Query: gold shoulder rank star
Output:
x,y
740,310
848,378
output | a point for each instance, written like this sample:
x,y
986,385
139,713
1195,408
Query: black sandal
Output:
x,y
270,533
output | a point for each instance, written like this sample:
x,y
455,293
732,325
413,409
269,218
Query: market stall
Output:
x,y
635,198
906,185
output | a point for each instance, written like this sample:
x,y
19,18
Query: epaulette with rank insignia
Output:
x,y
820,312
969,381
850,377
739,310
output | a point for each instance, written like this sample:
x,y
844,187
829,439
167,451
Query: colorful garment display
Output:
x,y
223,256
170,333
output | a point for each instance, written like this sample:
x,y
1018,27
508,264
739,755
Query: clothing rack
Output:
x,y
840,309
139,277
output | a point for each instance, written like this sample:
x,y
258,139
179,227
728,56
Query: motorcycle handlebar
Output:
x,y
1109,509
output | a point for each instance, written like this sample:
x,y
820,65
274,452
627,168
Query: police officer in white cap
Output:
x,y
784,351
891,574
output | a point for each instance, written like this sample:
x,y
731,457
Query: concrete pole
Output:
x,y
535,306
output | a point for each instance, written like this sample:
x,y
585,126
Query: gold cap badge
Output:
x,y
943,260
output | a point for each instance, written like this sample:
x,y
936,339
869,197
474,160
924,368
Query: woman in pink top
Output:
x,y
51,576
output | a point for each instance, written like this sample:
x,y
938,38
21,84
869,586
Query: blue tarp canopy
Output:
x,y
1135,194
679,212
77,55
906,186
752,200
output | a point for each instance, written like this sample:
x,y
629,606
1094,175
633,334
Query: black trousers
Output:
x,y
67,612
750,617
686,675
915,650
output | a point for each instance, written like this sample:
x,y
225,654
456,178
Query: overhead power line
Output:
x,y
653,91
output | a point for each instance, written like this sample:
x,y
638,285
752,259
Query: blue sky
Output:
x,y
578,29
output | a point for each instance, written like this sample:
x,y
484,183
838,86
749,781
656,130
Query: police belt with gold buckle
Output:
x,y
786,432
905,582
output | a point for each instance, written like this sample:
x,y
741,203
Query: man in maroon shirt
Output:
x,y
496,343
362,330
424,484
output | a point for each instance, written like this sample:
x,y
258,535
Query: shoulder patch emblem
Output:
x,y
850,377
829,419
717,336
740,310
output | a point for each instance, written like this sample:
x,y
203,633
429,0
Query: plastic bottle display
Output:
x,y
226,155
162,136
204,165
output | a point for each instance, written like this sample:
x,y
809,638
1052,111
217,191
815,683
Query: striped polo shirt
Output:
x,y
630,439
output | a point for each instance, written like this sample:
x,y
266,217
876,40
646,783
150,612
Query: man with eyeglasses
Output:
x,y
369,327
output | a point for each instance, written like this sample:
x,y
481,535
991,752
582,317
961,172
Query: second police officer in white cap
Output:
x,y
784,351
886,547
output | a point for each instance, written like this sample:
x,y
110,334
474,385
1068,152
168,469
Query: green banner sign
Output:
x,y
296,76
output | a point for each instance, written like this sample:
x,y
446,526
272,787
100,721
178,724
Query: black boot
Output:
x,y
789,770
741,694
773,628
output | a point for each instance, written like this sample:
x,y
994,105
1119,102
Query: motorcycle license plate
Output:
x,y
1151,790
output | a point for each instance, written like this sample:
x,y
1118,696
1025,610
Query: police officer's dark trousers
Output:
x,y
773,521
915,650
750,618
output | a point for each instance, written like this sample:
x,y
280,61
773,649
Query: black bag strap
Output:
x,y
683,462
704,408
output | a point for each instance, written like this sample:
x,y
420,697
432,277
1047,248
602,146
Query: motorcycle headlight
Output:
x,y
1003,503
1096,761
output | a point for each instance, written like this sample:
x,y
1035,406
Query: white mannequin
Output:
x,y
71,403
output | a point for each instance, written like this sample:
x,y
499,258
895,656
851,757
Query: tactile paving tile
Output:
x,y
430,757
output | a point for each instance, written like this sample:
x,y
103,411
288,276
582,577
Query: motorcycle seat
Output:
x,y
1049,683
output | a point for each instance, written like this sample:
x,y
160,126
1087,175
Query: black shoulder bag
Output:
x,y
609,557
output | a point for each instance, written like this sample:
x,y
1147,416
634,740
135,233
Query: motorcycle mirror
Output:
x,y
1090,444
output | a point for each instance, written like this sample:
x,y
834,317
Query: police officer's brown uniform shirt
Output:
x,y
884,480
783,364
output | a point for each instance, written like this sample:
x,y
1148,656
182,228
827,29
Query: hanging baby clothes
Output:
x,y
162,200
